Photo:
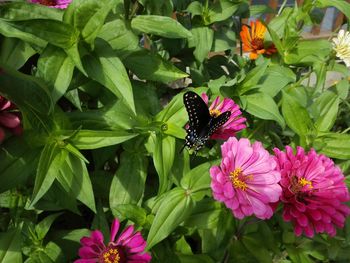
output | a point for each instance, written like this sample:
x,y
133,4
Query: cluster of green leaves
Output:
x,y
97,86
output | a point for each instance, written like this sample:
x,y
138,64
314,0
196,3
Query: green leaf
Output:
x,y
130,212
334,145
174,112
112,117
221,10
174,209
96,21
75,179
343,6
296,116
264,107
55,32
9,29
320,69
55,199
110,72
18,162
198,178
195,8
342,89
44,225
56,68
202,41
163,158
18,87
275,78
175,130
150,66
54,252
224,39
10,246
146,92
15,52
326,107
24,87
73,53
275,37
93,139
304,53
100,221
256,247
85,14
17,11
128,184
159,25
197,258
182,246
205,215
51,159
252,78
119,36
256,10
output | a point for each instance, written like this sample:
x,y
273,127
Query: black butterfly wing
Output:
x,y
201,124
216,122
197,110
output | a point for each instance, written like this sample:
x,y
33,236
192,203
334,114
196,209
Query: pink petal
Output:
x,y
114,229
97,237
9,120
87,252
125,235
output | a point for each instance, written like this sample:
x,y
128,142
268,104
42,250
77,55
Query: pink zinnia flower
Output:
x,y
62,4
313,192
234,124
128,248
9,120
246,180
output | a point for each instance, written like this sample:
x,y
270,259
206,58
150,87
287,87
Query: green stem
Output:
x,y
282,7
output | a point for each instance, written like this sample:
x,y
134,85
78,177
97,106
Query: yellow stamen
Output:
x,y
215,112
303,182
111,256
238,179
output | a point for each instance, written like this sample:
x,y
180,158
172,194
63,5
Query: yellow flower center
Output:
x,y
238,179
303,182
297,184
215,112
111,256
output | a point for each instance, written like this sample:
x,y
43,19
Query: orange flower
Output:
x,y
253,40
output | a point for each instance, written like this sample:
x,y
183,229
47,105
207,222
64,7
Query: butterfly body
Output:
x,y
201,124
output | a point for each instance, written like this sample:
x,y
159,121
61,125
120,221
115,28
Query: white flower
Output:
x,y
341,44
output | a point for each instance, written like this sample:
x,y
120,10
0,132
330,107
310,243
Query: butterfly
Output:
x,y
201,124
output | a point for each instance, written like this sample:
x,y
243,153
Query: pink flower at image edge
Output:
x,y
129,246
313,191
9,120
246,180
62,4
234,124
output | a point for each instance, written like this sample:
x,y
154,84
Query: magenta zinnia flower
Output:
x,y
128,248
9,118
53,3
234,124
313,192
246,180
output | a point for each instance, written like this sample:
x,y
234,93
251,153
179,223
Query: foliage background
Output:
x,y
99,86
